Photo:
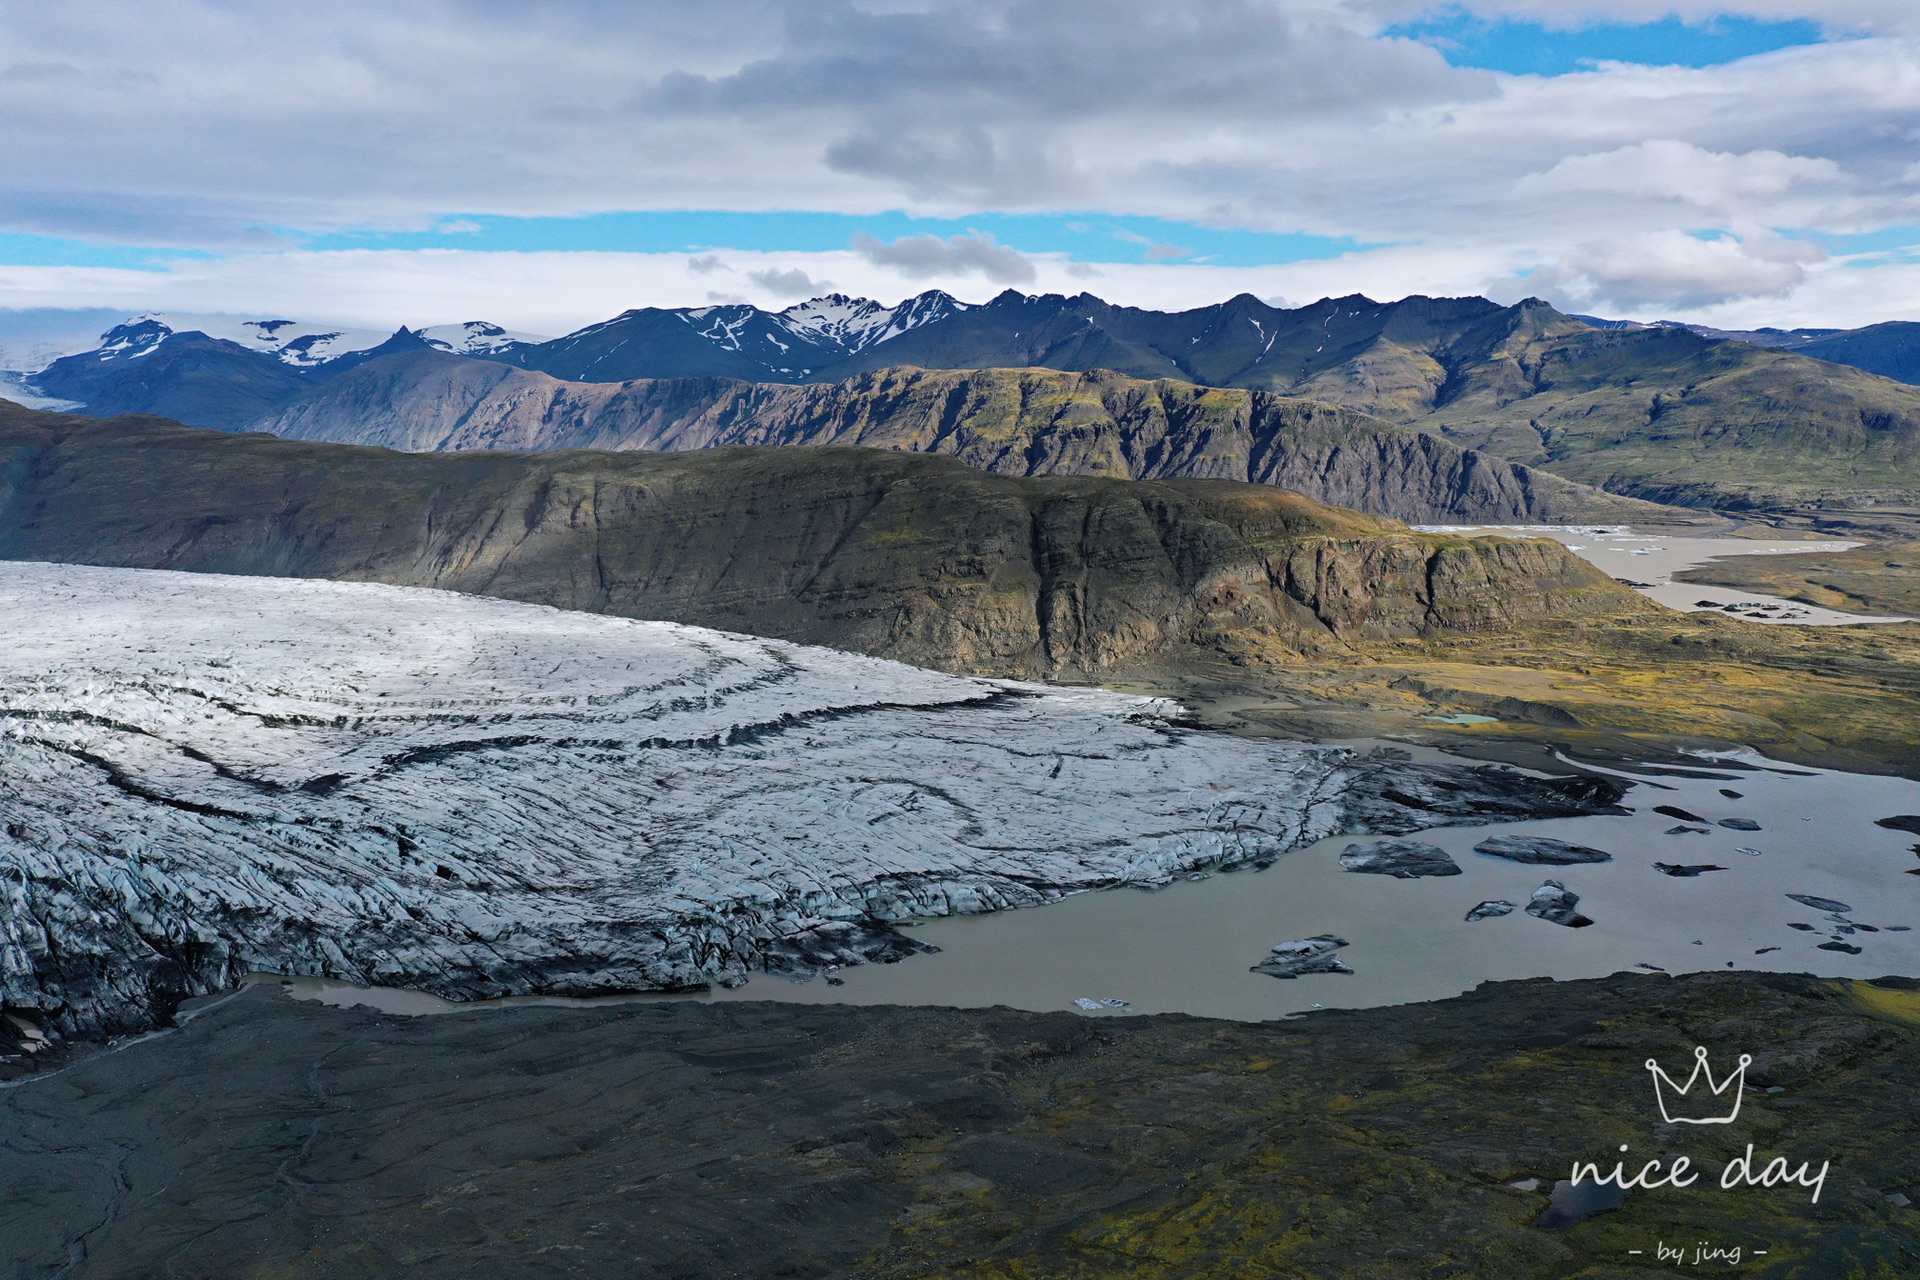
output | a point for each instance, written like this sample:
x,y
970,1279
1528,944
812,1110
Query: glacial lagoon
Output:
x,y
1188,947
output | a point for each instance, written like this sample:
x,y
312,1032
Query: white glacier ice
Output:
x,y
203,775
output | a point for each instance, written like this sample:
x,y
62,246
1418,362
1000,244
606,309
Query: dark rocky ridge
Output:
x,y
759,1139
207,381
1013,421
900,555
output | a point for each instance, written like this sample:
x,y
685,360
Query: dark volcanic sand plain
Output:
x,y
272,1137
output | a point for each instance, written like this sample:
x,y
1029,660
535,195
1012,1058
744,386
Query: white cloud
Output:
x,y
1667,271
558,292
931,258
199,124
1667,169
789,283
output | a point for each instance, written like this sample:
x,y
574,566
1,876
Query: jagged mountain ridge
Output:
x,y
1242,342
297,343
734,340
900,555
1012,421
222,372
1656,412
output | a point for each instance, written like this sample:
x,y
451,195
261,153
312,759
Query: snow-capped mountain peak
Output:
x,y
301,345
137,337
854,324
475,337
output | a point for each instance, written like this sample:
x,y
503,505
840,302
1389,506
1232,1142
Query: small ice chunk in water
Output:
x,y
1540,850
1555,903
1304,955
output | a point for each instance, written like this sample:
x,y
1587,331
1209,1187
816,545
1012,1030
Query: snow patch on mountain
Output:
x,y
295,343
851,325
476,337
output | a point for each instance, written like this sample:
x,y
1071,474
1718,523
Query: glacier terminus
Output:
x,y
204,775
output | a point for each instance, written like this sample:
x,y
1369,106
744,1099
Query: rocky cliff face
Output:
x,y
1012,421
897,554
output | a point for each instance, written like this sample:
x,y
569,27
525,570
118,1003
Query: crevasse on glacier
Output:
x,y
205,775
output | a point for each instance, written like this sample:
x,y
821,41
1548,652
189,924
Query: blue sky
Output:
x,y
1079,236
1533,48
1632,157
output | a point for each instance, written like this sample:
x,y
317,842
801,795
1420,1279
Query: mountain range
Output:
x,y
1890,349
219,372
1750,422
1337,623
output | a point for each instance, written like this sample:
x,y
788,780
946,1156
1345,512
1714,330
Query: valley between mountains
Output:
x,y
1286,615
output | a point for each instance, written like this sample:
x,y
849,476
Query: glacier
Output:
x,y
203,775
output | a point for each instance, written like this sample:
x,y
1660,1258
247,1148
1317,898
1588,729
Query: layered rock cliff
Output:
x,y
1012,421
897,554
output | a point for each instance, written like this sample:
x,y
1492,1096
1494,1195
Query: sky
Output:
x,y
1745,163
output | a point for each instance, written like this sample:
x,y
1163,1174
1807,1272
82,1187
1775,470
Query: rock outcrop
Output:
x,y
1541,851
1555,903
896,554
1303,956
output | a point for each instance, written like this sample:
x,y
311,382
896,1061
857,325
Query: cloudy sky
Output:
x,y
547,165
